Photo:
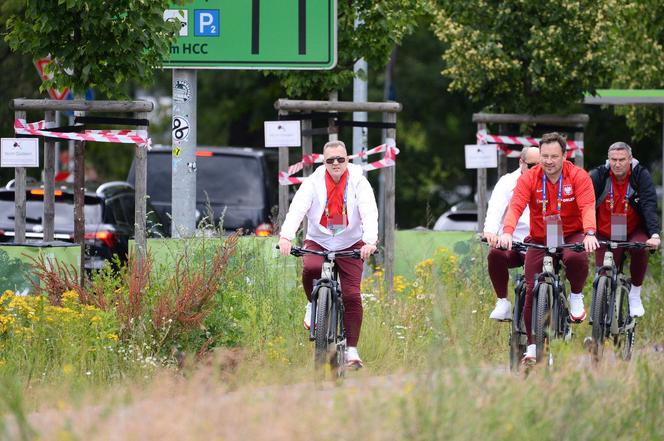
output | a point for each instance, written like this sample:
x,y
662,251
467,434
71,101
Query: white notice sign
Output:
x,y
282,134
19,152
481,156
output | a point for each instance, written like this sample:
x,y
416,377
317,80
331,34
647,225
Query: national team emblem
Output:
x,y
567,189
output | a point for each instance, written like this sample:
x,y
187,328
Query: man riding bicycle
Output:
x,y
500,261
340,207
626,211
562,210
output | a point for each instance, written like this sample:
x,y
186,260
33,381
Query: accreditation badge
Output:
x,y
619,226
554,231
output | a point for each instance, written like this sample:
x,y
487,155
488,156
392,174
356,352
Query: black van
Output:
x,y
237,183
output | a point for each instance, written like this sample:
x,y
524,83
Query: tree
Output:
x,y
383,25
525,56
638,48
95,44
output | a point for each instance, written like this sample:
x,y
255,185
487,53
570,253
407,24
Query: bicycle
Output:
x,y
550,313
517,339
609,312
327,319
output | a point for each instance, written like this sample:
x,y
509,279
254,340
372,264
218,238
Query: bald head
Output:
x,y
530,157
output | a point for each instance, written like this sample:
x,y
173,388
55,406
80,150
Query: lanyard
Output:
x,y
560,193
343,209
626,197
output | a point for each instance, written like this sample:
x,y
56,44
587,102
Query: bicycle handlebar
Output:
x,y
523,246
299,252
614,244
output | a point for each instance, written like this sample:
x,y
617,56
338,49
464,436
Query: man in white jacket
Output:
x,y
340,207
500,261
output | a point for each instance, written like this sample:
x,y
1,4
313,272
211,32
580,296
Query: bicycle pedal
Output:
x,y
509,320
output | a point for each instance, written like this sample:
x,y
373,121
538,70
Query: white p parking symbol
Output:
x,y
206,22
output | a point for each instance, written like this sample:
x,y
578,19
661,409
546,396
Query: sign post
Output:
x,y
232,34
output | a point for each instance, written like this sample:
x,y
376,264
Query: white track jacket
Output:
x,y
500,200
310,201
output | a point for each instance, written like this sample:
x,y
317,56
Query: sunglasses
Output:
x,y
531,164
339,159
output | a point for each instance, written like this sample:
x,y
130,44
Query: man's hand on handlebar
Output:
x,y
284,246
505,241
491,239
653,243
367,250
590,243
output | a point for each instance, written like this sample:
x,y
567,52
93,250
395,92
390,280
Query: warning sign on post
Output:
x,y
282,134
19,152
481,156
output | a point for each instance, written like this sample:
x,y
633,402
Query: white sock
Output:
x,y
635,292
576,296
531,350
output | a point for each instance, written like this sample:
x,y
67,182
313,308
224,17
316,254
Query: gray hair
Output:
x,y
333,144
620,146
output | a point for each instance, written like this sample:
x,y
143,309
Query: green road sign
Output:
x,y
255,34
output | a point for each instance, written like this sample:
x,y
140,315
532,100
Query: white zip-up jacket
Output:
x,y
498,204
310,201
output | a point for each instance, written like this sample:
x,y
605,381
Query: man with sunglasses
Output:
x,y
626,210
341,211
499,260
562,210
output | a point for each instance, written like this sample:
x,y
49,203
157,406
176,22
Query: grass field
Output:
x,y
75,367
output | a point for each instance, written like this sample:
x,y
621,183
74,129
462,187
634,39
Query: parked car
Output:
x,y
461,217
109,219
239,184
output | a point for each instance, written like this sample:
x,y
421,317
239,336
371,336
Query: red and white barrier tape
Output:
x,y
486,138
138,137
391,152
511,153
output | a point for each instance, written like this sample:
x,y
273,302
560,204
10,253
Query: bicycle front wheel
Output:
x,y
542,322
518,338
599,316
322,325
624,341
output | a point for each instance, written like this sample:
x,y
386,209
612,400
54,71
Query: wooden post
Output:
x,y
49,182
481,191
19,197
390,196
332,129
140,188
283,189
578,154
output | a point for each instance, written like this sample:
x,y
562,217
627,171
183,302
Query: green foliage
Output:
x,y
95,44
383,25
638,42
522,56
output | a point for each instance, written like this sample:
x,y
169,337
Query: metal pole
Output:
x,y
333,134
307,149
140,186
19,196
481,191
79,202
389,187
283,189
360,94
578,154
49,182
183,183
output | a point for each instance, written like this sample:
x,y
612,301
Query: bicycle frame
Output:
x,y
330,279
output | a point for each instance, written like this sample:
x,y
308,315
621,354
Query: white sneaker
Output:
x,y
530,356
577,310
636,308
502,311
353,360
307,316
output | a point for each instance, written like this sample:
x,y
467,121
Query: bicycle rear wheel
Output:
x,y
542,322
322,325
598,314
518,339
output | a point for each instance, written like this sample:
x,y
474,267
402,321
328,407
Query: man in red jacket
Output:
x,y
561,199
